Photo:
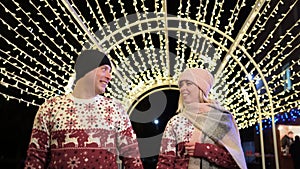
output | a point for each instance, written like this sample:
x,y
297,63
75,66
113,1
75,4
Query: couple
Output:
x,y
84,129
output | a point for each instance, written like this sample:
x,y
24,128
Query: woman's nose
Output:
x,y
182,87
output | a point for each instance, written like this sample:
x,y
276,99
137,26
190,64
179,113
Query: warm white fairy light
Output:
x,y
273,63
45,35
15,61
64,26
265,44
144,69
62,36
12,60
29,85
32,59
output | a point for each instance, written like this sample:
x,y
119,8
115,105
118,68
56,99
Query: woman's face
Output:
x,y
189,92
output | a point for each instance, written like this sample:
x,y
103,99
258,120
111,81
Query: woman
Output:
x,y
202,134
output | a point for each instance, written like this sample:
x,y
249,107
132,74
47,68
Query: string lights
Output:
x,y
150,44
283,118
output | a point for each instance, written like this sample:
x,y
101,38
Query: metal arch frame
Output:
x,y
199,34
232,48
236,59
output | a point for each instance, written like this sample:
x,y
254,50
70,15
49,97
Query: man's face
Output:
x,y
100,77
103,76
291,135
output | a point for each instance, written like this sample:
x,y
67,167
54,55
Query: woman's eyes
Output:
x,y
186,83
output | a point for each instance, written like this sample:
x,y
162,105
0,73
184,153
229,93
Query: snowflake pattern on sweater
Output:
x,y
82,133
172,151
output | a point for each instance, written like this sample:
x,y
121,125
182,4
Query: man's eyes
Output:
x,y
104,69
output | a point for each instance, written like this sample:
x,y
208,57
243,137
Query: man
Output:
x,y
286,142
84,129
295,152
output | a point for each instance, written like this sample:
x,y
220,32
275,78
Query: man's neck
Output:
x,y
82,95
83,91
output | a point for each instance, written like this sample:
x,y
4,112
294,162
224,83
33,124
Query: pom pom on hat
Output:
x,y
200,77
89,60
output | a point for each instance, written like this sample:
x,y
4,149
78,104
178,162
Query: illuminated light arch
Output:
x,y
147,86
52,90
265,54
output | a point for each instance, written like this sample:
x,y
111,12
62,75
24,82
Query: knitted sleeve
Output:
x,y
37,153
127,142
215,154
166,158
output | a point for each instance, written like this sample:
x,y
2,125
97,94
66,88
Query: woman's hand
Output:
x,y
190,148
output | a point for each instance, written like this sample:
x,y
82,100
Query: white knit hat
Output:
x,y
200,77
